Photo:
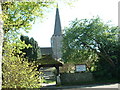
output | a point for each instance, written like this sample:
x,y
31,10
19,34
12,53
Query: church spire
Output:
x,y
56,40
57,28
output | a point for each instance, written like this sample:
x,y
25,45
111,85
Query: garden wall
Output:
x,y
76,78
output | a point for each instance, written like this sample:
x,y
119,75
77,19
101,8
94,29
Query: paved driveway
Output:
x,y
105,86
85,87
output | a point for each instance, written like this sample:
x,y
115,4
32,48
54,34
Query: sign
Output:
x,y
80,67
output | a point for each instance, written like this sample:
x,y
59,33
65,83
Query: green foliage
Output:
x,y
18,73
93,41
33,53
18,17
67,68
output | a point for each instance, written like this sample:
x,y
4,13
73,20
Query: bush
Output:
x,y
18,73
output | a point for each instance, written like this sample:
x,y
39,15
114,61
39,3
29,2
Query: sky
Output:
x,y
107,10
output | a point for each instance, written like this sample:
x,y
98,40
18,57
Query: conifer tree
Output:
x,y
32,53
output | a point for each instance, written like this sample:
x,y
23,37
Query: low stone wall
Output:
x,y
73,78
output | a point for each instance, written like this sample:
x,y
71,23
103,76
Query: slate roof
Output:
x,y
57,27
46,50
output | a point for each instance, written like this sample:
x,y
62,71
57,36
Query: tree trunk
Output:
x,y
103,54
1,43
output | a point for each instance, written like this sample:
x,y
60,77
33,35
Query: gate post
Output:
x,y
58,81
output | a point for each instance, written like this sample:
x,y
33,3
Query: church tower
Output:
x,y
56,39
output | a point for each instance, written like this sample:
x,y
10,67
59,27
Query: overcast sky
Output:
x,y
105,9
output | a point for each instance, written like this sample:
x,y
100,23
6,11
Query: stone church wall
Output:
x,y
56,43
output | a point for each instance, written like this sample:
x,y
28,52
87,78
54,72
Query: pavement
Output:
x,y
115,86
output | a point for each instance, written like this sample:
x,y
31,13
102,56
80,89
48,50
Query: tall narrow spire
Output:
x,y
57,28
56,39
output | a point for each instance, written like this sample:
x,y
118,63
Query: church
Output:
x,y
51,56
56,40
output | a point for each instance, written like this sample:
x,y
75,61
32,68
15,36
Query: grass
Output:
x,y
49,81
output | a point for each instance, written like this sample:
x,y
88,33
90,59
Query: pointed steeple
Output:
x,y
56,39
57,28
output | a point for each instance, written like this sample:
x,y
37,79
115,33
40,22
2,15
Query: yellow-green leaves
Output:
x,y
18,73
19,15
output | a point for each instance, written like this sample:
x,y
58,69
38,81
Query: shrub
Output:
x,y
18,73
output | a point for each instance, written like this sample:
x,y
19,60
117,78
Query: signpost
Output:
x,y
80,67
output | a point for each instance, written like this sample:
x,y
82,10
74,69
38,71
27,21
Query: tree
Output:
x,y
33,53
91,38
18,72
1,43
21,14
17,17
